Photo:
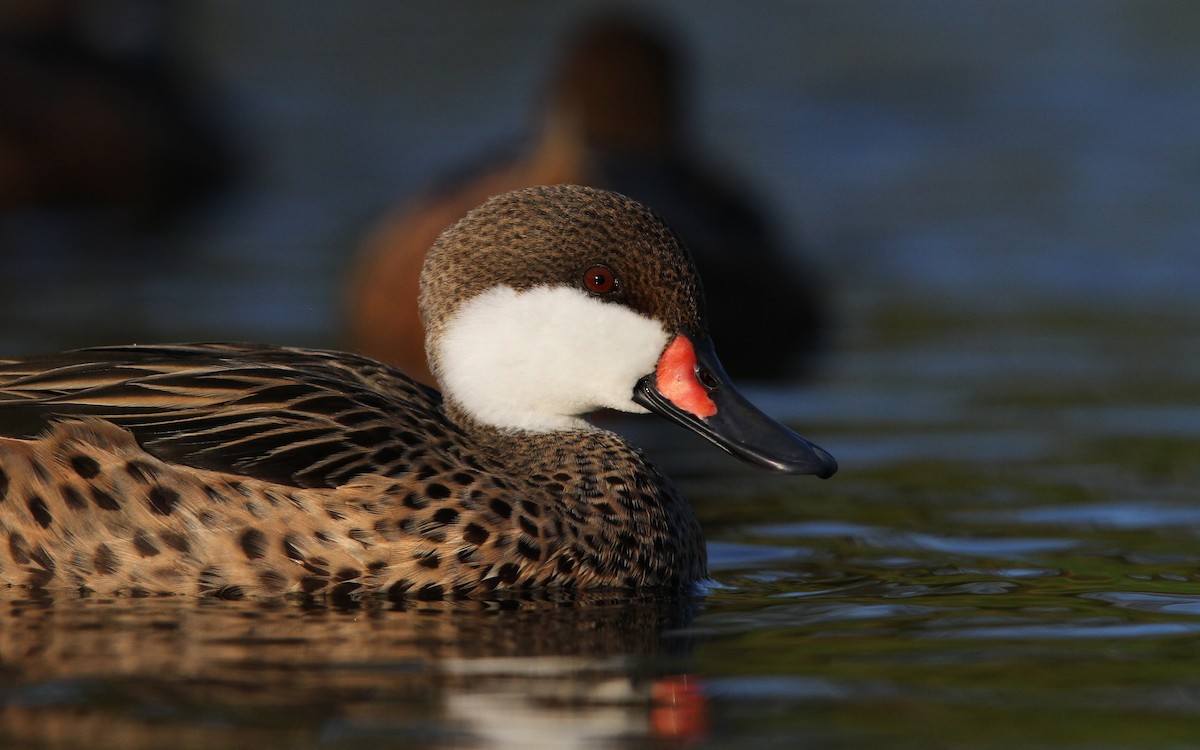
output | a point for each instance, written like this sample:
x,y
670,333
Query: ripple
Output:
x,y
1067,630
1001,572
990,547
733,555
807,688
1177,604
806,613
971,546
1126,515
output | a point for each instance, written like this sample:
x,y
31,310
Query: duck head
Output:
x,y
548,303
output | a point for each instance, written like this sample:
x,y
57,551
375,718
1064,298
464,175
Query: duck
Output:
x,y
612,115
236,470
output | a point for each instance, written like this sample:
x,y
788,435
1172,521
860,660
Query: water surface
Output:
x,y
1002,197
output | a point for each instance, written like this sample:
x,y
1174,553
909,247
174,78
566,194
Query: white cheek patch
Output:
x,y
538,359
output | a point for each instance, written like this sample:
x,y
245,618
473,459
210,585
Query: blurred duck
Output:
x,y
97,111
613,119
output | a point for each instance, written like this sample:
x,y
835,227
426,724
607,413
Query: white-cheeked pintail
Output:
x,y
243,470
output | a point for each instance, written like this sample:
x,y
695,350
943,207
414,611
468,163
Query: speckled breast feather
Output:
x,y
237,470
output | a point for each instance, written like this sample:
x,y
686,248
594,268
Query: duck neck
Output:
x,y
517,449
602,503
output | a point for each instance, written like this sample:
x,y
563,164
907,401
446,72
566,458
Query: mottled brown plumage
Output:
x,y
238,470
242,470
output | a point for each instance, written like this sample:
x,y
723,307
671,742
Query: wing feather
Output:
x,y
302,417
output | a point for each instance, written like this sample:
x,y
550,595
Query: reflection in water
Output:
x,y
155,672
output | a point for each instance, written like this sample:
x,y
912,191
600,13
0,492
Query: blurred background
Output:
x,y
985,159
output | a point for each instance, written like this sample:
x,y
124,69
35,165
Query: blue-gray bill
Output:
x,y
737,426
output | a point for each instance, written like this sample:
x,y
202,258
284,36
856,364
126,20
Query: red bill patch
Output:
x,y
676,379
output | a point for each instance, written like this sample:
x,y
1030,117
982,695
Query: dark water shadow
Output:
x,y
142,673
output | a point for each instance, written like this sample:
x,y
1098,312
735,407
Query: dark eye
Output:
x,y
600,280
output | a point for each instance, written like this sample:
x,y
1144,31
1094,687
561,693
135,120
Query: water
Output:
x,y
1002,197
